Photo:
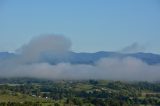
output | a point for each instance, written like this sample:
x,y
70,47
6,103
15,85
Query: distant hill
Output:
x,y
149,58
90,58
5,55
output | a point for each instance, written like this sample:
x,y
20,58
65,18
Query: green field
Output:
x,y
38,92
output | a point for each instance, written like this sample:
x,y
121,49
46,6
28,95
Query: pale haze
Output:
x,y
28,63
36,33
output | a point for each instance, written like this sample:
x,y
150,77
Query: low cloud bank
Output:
x,y
29,64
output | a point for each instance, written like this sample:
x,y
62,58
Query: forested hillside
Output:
x,y
39,92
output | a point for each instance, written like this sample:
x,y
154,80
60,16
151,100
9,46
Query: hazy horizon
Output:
x,y
41,31
31,63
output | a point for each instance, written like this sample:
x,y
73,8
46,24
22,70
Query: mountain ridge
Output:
x,y
90,58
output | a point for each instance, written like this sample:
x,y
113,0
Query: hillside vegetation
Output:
x,y
39,92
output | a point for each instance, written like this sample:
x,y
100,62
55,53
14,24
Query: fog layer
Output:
x,y
29,63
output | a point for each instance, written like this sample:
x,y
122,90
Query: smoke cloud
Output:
x,y
133,48
27,64
52,45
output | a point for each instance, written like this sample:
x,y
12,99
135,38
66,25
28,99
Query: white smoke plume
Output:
x,y
133,48
127,68
55,45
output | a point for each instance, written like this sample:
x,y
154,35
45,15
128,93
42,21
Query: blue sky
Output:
x,y
92,25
